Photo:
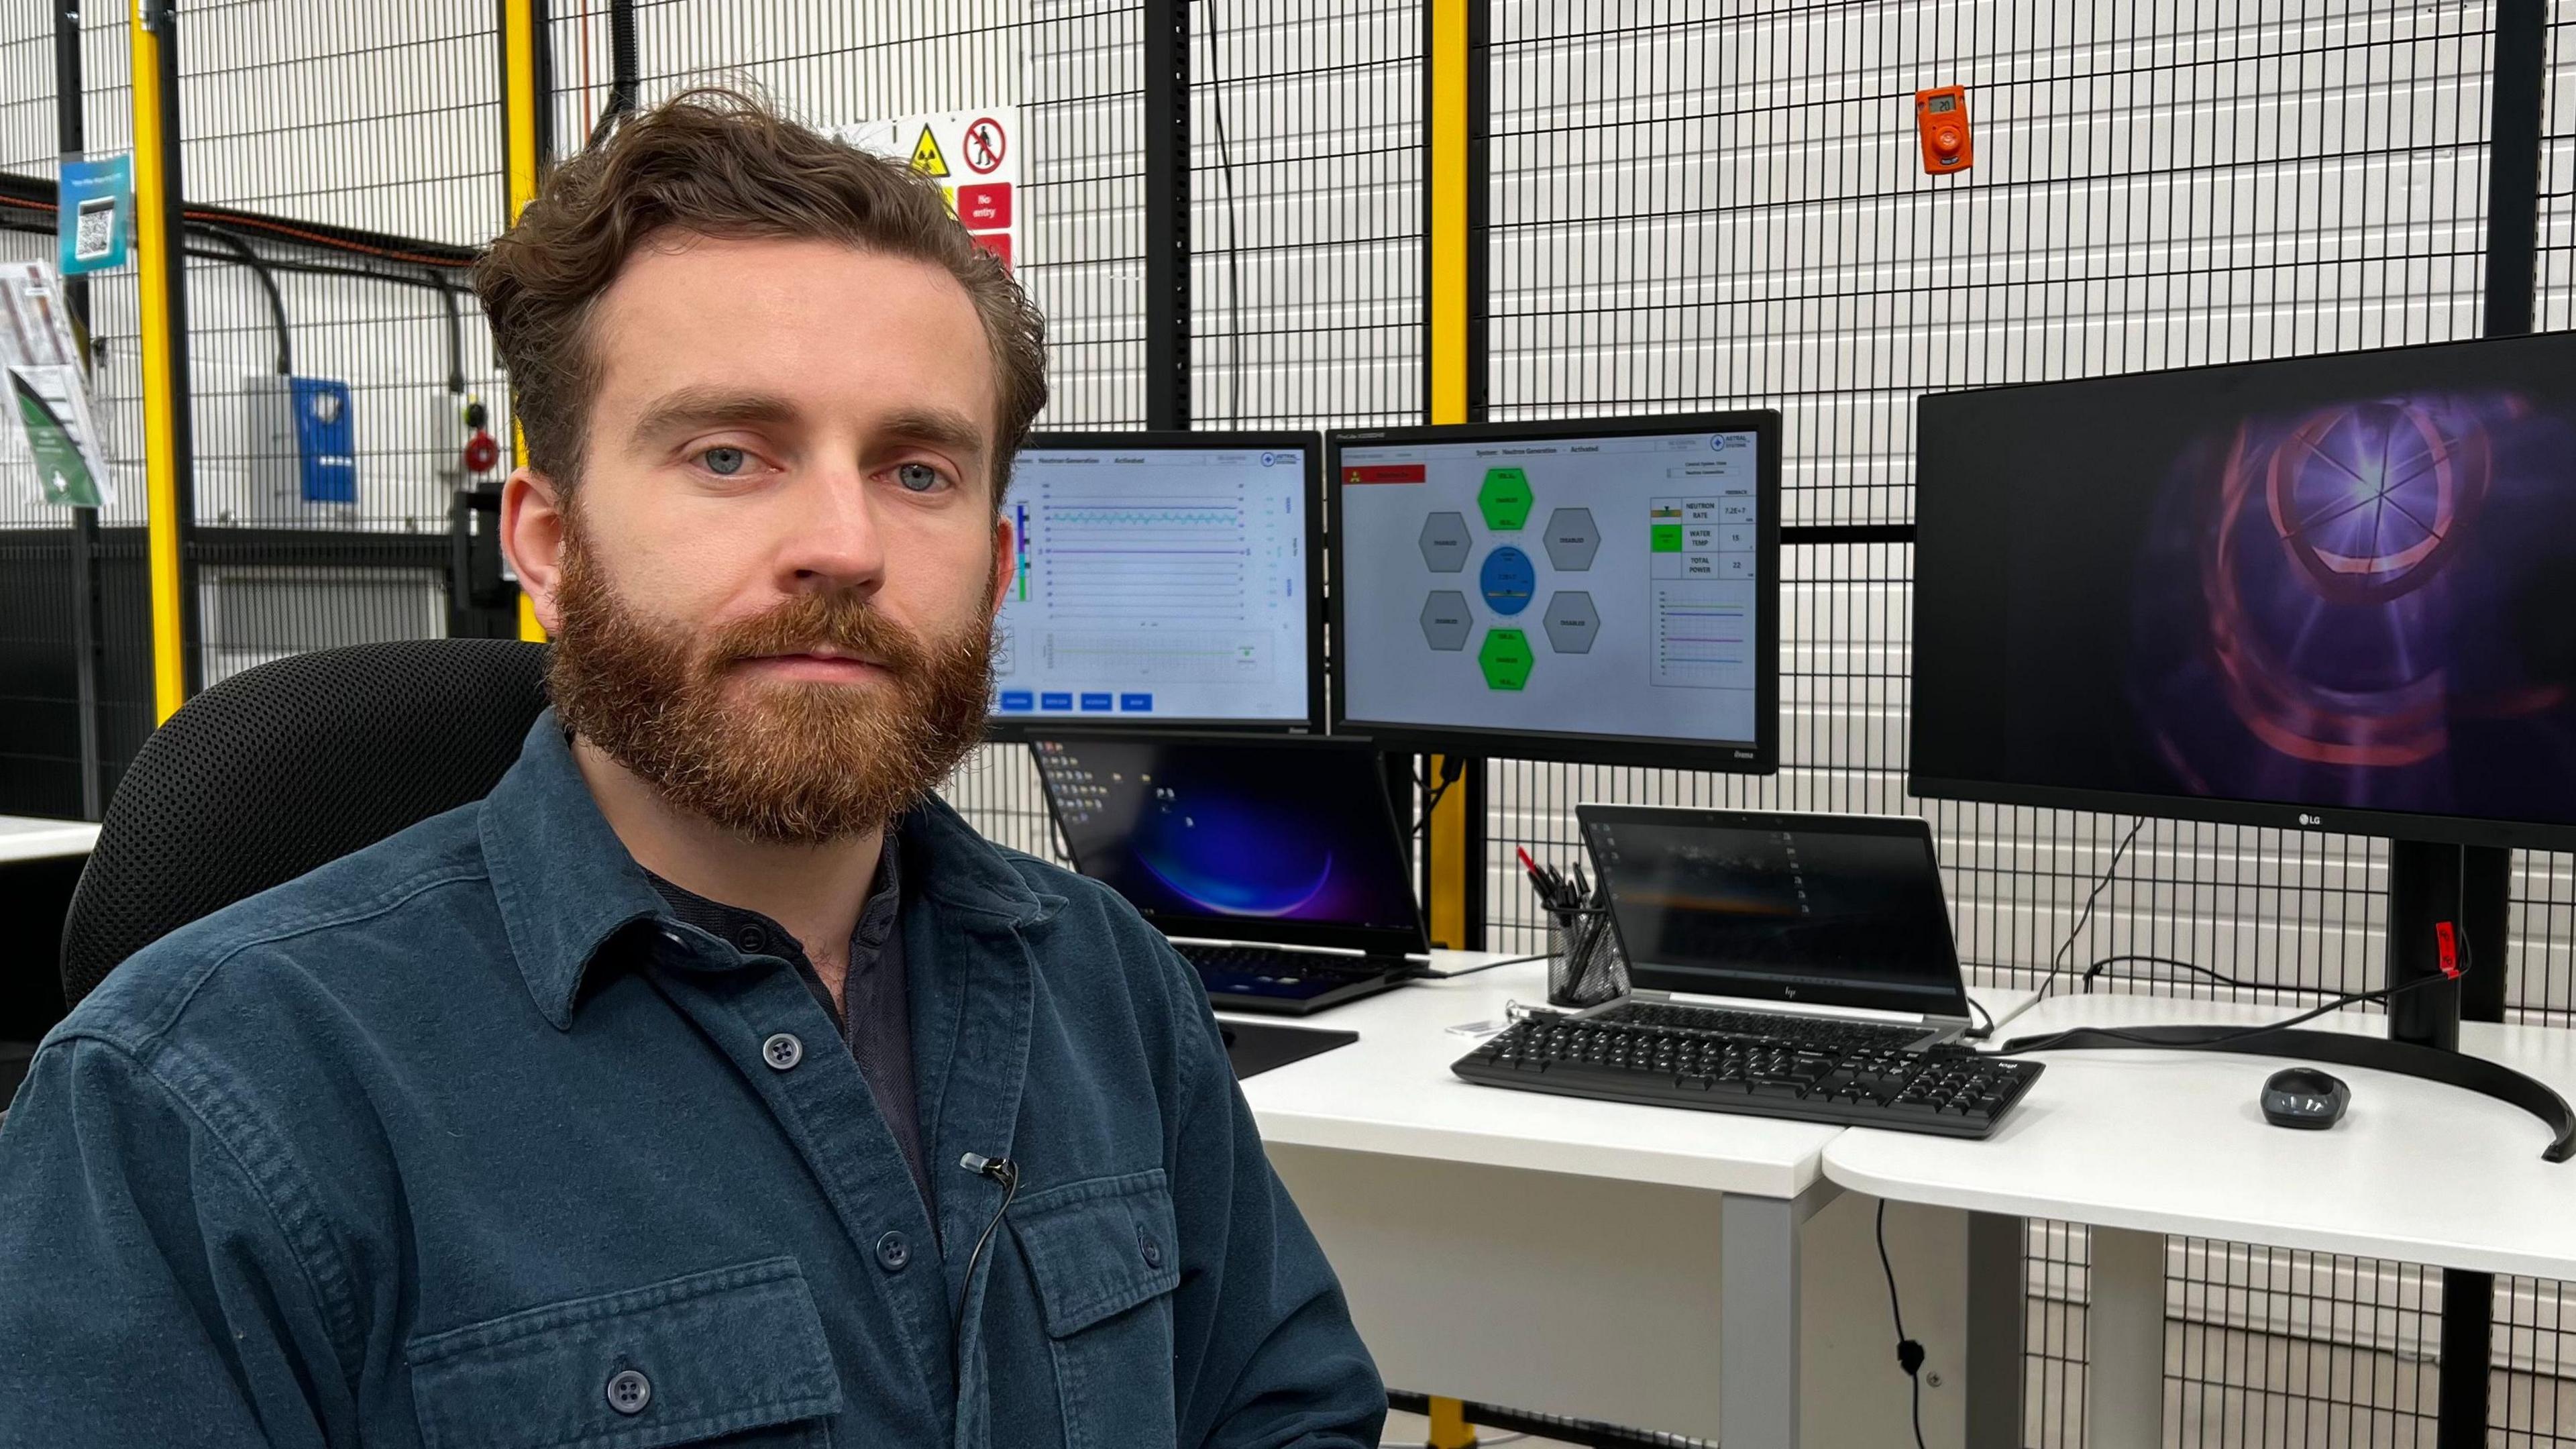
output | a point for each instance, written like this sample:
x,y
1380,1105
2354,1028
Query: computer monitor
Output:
x,y
1604,590
1238,838
2326,593
1164,579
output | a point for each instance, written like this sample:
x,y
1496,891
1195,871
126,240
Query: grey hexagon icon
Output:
x,y
1445,620
1445,542
1571,619
1572,539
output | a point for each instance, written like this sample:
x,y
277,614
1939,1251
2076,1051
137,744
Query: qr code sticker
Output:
x,y
96,233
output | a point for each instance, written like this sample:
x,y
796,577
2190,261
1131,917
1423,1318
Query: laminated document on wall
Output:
x,y
977,157
48,404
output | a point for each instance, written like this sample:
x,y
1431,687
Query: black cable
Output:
x,y
1007,1173
242,255
2057,961
1909,1354
2384,993
1233,237
1980,1033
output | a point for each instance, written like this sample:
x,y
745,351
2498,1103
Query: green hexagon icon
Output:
x,y
1505,499
1505,657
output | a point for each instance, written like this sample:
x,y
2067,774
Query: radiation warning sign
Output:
x,y
977,156
926,157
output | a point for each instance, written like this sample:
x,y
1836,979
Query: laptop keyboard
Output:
x,y
1819,1033
1271,972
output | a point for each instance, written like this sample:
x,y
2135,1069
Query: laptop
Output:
x,y
1830,928
1274,865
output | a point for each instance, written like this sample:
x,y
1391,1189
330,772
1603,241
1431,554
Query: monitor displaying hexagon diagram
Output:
x,y
1612,583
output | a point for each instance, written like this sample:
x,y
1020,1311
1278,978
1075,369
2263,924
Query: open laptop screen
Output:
x,y
1288,841
1820,909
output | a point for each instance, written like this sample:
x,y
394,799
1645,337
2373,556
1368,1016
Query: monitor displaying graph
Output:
x,y
1595,590
1163,578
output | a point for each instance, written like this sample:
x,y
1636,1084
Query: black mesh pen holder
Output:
x,y
1584,964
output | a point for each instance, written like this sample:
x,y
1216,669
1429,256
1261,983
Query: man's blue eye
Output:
x,y
725,462
919,477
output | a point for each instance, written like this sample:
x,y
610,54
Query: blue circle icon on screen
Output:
x,y
1507,579
1269,458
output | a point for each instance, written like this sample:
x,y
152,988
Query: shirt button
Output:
x,y
782,1051
894,1254
629,1392
1152,1250
752,939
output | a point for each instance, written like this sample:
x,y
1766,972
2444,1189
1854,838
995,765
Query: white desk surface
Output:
x,y
24,837
1392,1092
2175,1142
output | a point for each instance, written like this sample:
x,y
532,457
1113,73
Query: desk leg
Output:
x,y
2124,1334
1998,1310
1757,1377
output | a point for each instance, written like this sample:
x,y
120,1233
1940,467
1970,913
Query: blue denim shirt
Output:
x,y
465,1142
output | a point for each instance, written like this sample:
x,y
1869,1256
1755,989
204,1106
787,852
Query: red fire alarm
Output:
x,y
1941,115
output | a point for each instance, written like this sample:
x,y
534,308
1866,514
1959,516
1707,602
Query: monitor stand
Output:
x,y
2468,886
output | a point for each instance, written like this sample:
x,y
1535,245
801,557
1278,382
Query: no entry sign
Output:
x,y
975,156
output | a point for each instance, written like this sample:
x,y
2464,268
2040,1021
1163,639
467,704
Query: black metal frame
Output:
x,y
1167,214
1761,756
1018,726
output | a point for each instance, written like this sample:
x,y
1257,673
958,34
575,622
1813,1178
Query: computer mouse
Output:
x,y
2304,1097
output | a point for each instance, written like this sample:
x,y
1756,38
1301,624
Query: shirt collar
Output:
x,y
565,884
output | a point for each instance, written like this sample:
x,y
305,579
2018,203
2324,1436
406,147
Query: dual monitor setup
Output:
x,y
2324,593
1597,591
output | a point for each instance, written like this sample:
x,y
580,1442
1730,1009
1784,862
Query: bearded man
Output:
x,y
710,1081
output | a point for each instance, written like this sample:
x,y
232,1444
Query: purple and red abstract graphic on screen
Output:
x,y
2333,600
2341,581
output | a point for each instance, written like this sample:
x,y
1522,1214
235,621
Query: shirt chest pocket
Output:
x,y
1105,1259
732,1357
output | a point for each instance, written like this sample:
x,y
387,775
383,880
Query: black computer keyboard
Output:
x,y
1949,1090
1825,1033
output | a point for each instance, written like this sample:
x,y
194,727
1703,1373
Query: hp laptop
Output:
x,y
1274,865
1828,929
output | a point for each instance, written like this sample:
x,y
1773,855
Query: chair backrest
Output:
x,y
287,767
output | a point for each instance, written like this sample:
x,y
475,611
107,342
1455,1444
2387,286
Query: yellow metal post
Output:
x,y
523,102
1449,1426
1447,342
159,268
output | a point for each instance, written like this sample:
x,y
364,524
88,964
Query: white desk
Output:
x,y
24,837
2140,1144
1449,1205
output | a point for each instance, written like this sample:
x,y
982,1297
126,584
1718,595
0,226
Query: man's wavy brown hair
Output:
x,y
719,163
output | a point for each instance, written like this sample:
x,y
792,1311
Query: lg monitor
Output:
x,y
1162,579
2328,593
1604,590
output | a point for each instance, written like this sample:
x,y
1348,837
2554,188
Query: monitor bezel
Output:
x,y
1650,978
1001,728
1376,941
1760,756
2216,810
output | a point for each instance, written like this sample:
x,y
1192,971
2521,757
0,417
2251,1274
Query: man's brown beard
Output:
x,y
794,762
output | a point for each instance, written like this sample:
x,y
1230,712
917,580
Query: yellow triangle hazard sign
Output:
x,y
925,155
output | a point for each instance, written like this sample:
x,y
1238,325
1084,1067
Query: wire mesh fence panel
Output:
x,y
1306,227
1697,206
340,167
43,760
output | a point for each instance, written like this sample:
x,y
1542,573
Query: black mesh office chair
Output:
x,y
287,767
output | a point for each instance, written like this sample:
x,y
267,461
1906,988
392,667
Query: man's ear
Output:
x,y
533,523
1006,558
